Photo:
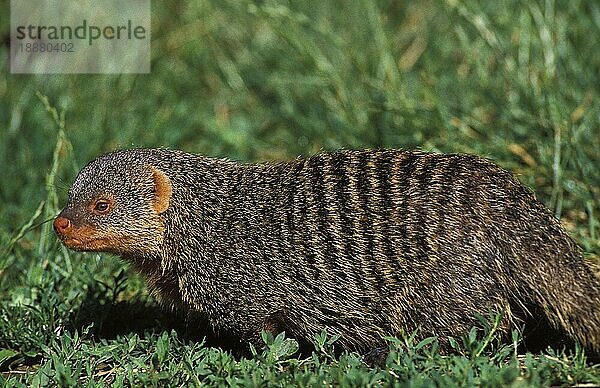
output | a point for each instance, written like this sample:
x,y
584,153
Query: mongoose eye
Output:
x,y
101,206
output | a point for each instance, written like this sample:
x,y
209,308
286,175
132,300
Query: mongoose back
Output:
x,y
365,244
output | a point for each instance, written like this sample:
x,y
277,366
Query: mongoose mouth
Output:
x,y
83,238
92,245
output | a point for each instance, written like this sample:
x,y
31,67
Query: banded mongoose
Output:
x,y
365,244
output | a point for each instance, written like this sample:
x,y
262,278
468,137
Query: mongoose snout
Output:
x,y
62,226
72,237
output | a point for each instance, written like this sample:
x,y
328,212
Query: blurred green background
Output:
x,y
514,81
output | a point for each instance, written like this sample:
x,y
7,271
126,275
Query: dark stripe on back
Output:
x,y
424,206
334,170
282,215
403,171
300,234
317,179
291,185
356,239
235,195
384,164
342,196
440,186
464,190
368,210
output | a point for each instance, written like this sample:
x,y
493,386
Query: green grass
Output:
x,y
514,81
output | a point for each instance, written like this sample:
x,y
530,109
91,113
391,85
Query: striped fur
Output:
x,y
365,244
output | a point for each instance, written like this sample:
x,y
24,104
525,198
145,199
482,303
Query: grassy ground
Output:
x,y
515,81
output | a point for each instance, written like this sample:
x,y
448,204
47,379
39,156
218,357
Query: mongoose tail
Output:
x,y
563,285
567,304
567,307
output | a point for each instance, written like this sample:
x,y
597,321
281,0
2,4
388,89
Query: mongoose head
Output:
x,y
116,204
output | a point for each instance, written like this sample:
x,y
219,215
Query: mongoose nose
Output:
x,y
61,224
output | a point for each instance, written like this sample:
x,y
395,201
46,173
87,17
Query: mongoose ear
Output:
x,y
162,190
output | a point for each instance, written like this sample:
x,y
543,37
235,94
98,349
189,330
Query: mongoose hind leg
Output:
x,y
274,324
431,314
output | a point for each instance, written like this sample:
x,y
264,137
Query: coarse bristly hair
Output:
x,y
365,244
